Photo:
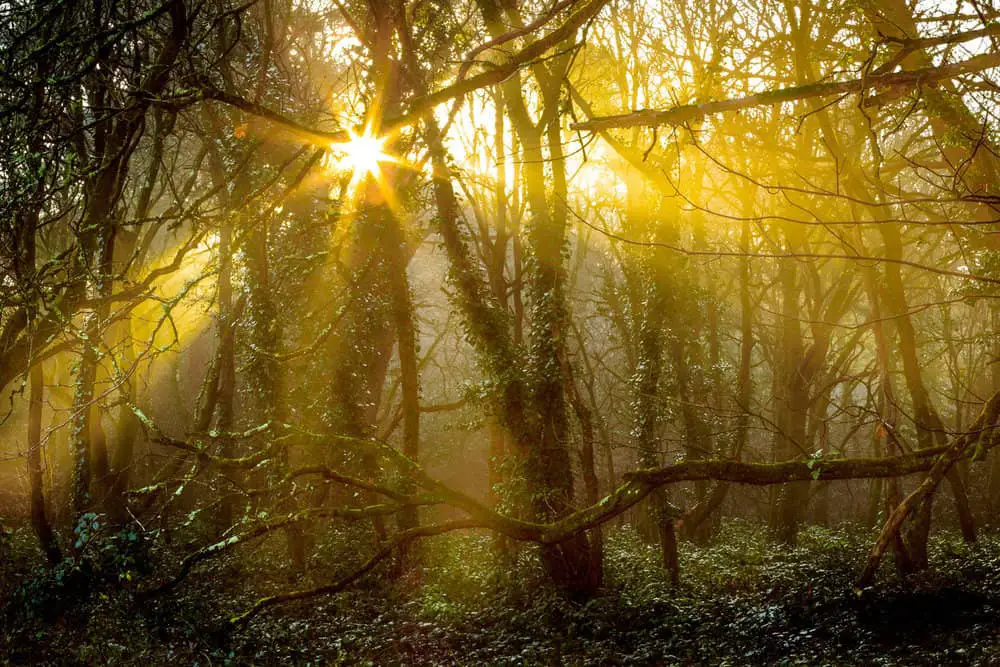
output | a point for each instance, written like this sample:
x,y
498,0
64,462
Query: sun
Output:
x,y
362,155
365,156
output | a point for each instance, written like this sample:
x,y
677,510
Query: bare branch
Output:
x,y
691,112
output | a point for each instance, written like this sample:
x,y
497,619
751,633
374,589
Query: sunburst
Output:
x,y
366,157
363,155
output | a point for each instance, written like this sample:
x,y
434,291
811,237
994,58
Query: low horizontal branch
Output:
x,y
637,486
764,474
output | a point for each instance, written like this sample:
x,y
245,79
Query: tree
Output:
x,y
653,235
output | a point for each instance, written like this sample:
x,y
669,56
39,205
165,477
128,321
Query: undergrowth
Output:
x,y
742,600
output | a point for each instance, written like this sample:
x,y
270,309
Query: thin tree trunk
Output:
x,y
930,429
126,429
83,414
39,519
993,488
225,385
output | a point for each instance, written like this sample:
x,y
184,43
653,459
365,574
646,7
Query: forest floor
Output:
x,y
742,601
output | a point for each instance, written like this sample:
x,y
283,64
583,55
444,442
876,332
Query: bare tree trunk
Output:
x,y
225,384
126,431
886,430
744,382
877,487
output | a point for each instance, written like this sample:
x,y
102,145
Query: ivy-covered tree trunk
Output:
x,y
263,371
547,463
654,524
361,352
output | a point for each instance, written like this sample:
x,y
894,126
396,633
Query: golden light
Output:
x,y
362,155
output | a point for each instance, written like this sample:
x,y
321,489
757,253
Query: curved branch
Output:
x,y
397,542
347,480
262,529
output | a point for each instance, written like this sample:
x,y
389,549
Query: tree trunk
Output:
x,y
993,489
126,429
39,519
225,396
402,314
83,415
585,417
793,498
930,429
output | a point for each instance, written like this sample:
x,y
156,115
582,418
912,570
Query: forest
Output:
x,y
527,332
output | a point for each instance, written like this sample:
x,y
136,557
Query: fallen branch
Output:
x,y
637,486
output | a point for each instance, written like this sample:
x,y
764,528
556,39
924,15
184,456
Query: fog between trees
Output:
x,y
293,272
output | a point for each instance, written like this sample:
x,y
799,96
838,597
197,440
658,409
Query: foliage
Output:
x,y
742,600
102,558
